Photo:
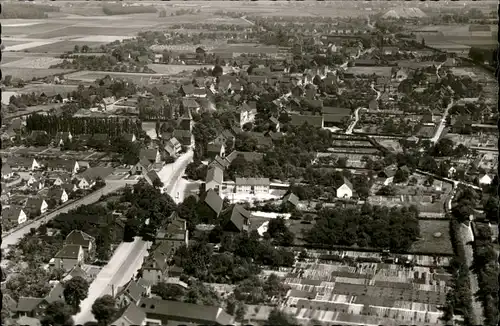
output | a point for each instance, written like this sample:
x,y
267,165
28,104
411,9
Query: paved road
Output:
x,y
356,119
111,186
442,124
125,261
128,257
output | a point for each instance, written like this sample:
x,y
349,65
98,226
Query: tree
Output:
x,y
217,71
85,48
400,176
168,291
57,313
75,291
104,309
491,208
76,48
157,183
279,318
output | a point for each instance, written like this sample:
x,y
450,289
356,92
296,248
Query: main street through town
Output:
x,y
128,257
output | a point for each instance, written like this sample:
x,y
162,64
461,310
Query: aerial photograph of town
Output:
x,y
252,162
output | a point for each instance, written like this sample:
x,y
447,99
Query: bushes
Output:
x,y
368,226
122,10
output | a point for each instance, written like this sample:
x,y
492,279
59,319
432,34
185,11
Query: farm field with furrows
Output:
x,y
61,46
30,73
33,63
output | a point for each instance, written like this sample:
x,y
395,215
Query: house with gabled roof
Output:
x,y
213,201
190,104
185,137
68,257
30,307
291,199
131,292
14,215
63,165
214,178
7,172
58,194
80,238
23,163
235,219
248,112
151,154
130,315
224,137
252,185
35,206
345,190
130,137
216,149
187,90
56,293
90,176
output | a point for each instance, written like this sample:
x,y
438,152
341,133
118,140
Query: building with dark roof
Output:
x,y
214,178
345,190
165,311
252,185
235,219
68,257
130,315
128,294
298,120
213,201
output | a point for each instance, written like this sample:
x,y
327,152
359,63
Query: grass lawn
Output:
x,y
428,243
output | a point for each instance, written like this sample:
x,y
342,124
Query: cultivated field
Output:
x,y
434,238
62,46
83,31
33,63
30,73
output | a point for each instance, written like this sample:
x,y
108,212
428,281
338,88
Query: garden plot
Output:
x,y
33,63
434,238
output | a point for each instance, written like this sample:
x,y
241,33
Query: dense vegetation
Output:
x,y
52,124
238,259
118,9
103,63
368,226
149,210
26,11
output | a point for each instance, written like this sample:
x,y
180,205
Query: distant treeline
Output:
x,y
117,9
26,11
84,125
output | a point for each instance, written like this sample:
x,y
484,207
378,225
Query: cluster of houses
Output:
x,y
45,185
134,300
